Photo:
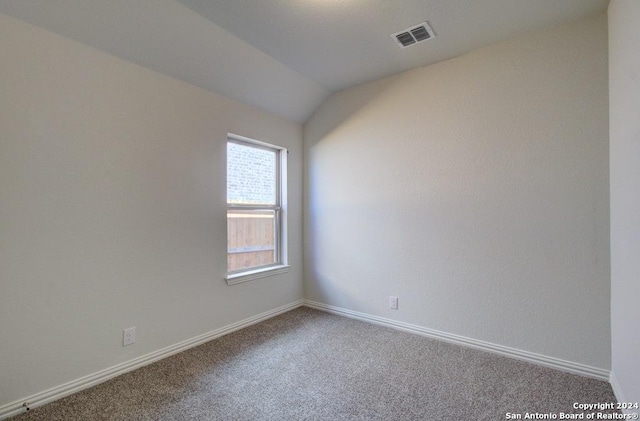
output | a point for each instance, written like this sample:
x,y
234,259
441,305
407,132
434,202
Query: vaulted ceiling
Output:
x,y
286,56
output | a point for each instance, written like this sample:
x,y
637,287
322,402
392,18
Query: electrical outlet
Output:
x,y
393,302
129,336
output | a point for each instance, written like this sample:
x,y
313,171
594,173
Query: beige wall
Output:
x,y
624,117
112,210
475,190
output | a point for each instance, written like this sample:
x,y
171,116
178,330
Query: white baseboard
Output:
x,y
57,392
618,392
538,359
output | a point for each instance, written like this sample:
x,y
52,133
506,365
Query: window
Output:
x,y
256,204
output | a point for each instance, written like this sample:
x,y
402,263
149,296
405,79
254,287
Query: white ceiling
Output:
x,y
286,56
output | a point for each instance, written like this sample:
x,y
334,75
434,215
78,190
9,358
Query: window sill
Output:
x,y
250,275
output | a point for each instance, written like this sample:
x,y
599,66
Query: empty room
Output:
x,y
319,209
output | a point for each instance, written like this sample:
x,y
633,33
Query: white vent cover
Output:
x,y
413,35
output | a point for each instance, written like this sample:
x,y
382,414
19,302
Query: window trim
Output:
x,y
280,210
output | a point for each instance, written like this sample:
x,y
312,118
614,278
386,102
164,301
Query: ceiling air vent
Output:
x,y
414,35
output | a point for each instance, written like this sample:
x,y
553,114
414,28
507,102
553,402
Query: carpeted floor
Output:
x,y
310,365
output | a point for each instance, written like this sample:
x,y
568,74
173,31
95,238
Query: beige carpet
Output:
x,y
310,365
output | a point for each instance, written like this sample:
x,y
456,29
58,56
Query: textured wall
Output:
x,y
624,117
112,210
475,190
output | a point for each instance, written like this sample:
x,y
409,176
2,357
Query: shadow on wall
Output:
x,y
338,142
342,107
337,111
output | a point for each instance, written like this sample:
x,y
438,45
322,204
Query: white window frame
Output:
x,y
279,209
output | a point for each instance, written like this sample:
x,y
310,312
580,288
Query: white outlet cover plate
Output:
x,y
128,336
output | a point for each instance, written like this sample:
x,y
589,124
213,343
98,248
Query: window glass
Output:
x,y
255,196
251,238
251,175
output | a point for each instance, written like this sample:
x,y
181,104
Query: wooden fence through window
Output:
x,y
250,239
